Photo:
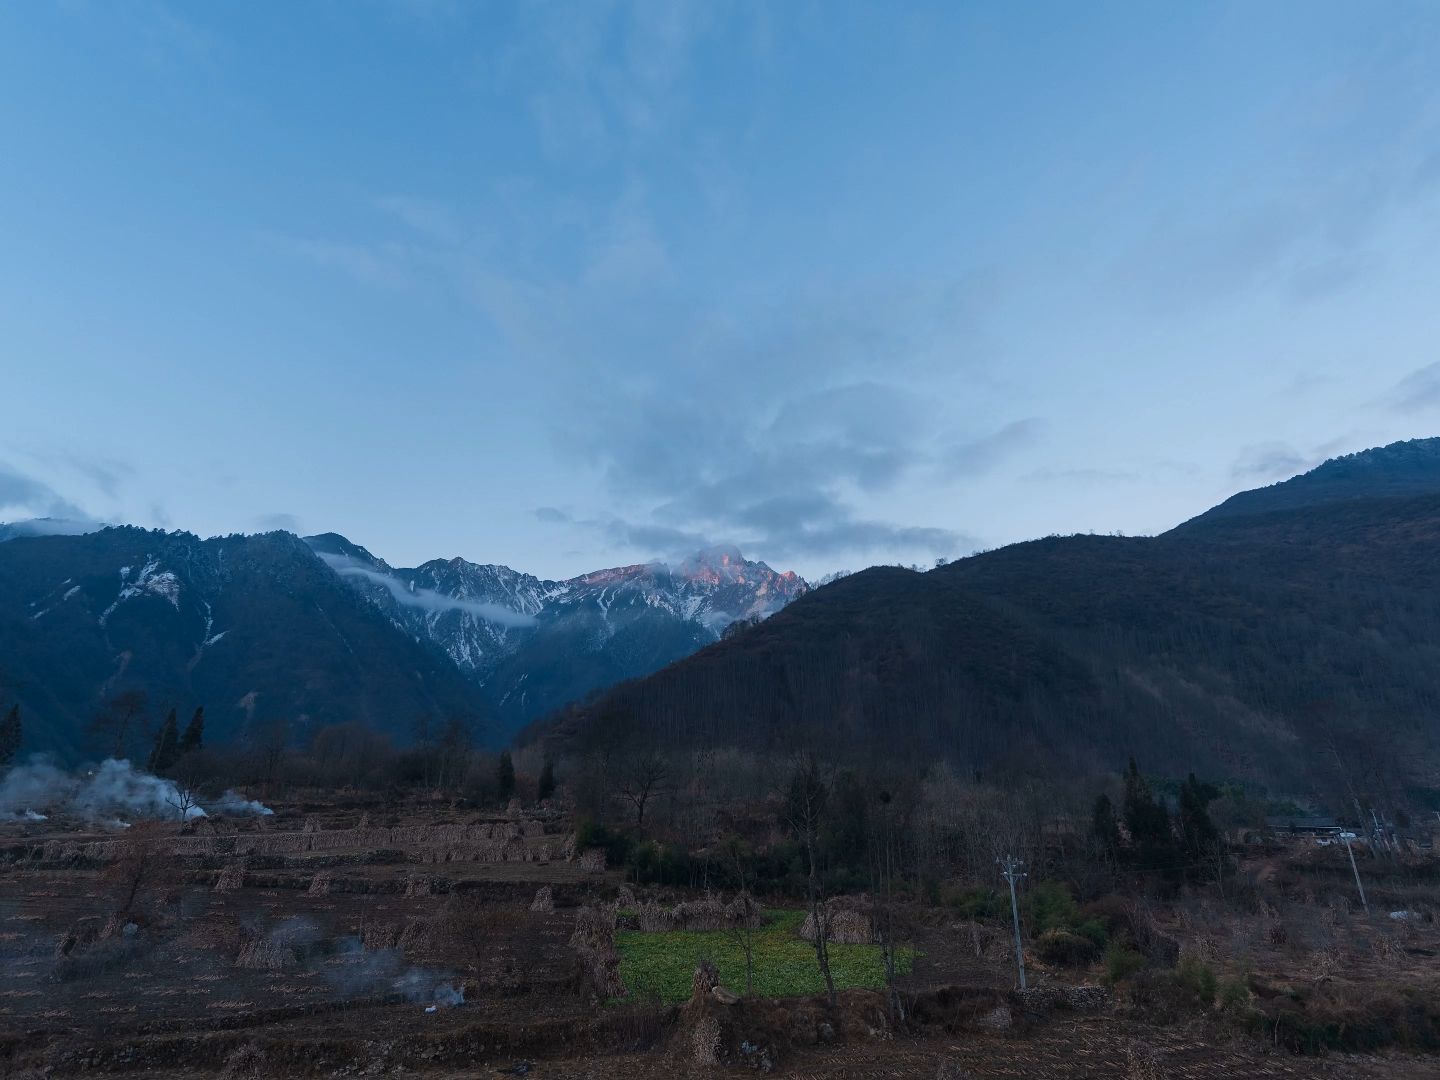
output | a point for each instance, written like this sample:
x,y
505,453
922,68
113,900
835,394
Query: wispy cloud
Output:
x,y
976,456
1088,477
601,78
785,416
107,474
279,522
22,495
432,219
778,425
1270,461
425,599
1418,391
370,264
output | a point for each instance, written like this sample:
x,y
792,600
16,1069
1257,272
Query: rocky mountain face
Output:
x,y
274,630
536,644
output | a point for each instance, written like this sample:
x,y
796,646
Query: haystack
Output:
x,y
849,924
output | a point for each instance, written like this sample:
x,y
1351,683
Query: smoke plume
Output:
x,y
108,791
354,971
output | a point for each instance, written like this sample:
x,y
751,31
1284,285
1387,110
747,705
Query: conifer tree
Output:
x,y
1148,822
546,788
505,776
194,737
1105,825
167,745
1197,832
10,737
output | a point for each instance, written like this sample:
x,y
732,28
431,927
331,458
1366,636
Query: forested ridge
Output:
x,y
1298,647
256,628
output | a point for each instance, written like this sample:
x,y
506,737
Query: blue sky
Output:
x,y
570,285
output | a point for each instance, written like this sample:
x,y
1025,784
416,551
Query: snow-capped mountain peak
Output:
x,y
538,643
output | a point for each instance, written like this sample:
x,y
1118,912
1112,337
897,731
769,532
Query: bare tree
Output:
x,y
805,802
744,929
184,800
886,852
144,868
478,933
271,742
456,745
642,777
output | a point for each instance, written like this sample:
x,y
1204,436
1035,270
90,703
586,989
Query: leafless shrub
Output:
x,y
1143,1062
144,871
249,1062
471,932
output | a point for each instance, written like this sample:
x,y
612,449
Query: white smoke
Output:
x,y
105,793
234,803
428,987
354,970
427,599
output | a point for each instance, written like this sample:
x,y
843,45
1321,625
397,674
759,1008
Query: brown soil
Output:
x,y
273,947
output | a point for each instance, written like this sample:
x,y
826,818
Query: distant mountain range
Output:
x,y
49,527
535,644
1290,636
274,630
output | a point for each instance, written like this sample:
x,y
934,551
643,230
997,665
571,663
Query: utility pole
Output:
x,y
1010,869
1347,837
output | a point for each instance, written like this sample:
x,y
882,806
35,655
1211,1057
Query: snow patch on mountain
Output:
x,y
483,615
151,579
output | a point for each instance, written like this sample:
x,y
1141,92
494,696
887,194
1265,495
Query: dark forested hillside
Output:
x,y
1402,468
1294,646
257,629
274,630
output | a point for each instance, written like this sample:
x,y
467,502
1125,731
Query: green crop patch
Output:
x,y
663,963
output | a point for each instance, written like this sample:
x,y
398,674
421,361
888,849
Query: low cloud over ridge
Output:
x,y
426,599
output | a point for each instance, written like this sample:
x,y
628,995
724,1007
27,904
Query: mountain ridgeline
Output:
x,y
254,627
280,636
1291,636
535,644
